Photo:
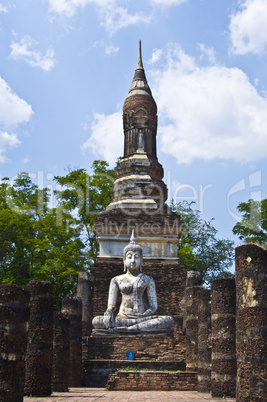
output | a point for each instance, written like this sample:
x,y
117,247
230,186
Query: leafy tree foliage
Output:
x,y
253,226
85,196
199,248
53,244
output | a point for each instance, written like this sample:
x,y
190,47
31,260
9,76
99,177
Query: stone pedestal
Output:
x,y
105,354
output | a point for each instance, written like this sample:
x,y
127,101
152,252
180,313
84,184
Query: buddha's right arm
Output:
x,y
112,295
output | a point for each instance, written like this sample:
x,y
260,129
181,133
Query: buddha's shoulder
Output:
x,y
146,278
119,278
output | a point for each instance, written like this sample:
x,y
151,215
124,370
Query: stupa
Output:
x,y
138,203
139,193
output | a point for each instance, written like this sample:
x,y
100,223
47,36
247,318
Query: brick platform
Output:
x,y
146,347
97,372
153,380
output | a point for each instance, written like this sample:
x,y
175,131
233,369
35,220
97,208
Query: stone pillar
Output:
x,y
14,314
223,308
193,278
204,341
251,323
39,356
85,292
72,308
61,353
191,311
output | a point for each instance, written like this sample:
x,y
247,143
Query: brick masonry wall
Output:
x,y
152,380
39,357
204,340
14,314
251,323
146,347
61,353
191,312
223,313
72,309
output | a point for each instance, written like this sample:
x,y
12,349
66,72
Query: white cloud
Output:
x,y
106,139
110,50
168,3
207,51
14,111
248,27
156,55
24,50
205,112
3,9
7,141
70,7
115,18
112,16
26,159
208,112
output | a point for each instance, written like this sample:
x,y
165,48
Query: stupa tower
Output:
x,y
139,193
138,202
139,174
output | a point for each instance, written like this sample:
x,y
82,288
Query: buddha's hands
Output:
x,y
147,313
108,320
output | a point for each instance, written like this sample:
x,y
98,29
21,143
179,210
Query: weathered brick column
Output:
x,y
191,311
85,292
61,353
39,356
14,314
223,308
204,341
72,308
193,278
251,323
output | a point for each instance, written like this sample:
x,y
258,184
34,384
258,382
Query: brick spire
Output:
x,y
140,113
139,84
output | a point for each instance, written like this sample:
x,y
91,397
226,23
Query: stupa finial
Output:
x,y
139,60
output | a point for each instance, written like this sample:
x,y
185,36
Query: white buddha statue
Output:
x,y
139,298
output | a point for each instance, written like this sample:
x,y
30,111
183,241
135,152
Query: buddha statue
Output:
x,y
138,298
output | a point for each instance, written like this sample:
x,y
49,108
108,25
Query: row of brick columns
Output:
x,y
226,330
40,351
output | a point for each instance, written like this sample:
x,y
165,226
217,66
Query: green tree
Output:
x,y
199,248
85,196
253,226
52,244
37,242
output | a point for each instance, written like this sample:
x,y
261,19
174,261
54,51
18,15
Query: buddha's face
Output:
x,y
133,260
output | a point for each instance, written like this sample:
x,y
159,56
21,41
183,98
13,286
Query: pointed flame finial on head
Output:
x,y
133,238
132,246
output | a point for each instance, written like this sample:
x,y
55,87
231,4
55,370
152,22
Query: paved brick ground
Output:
x,y
101,394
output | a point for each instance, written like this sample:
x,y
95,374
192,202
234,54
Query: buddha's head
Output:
x,y
133,255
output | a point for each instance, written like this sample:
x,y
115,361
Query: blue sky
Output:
x,y
66,68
